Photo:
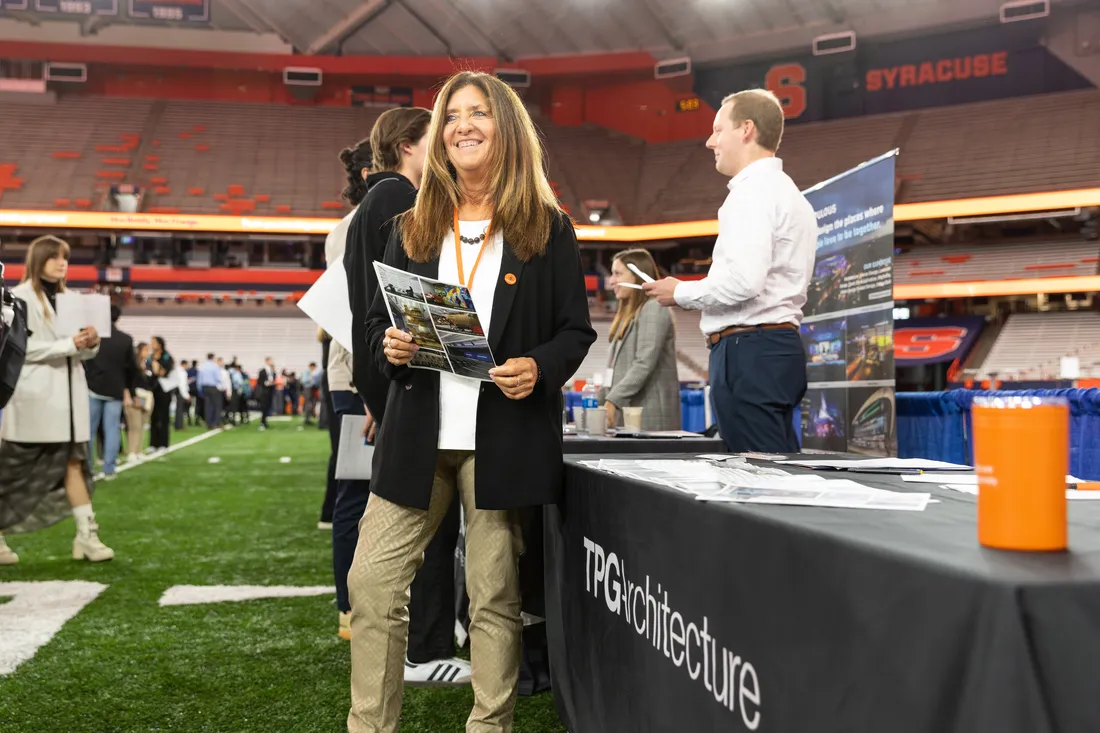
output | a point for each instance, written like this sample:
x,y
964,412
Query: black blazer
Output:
x,y
518,444
388,195
111,371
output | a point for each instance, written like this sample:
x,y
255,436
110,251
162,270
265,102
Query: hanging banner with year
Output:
x,y
171,10
848,330
77,7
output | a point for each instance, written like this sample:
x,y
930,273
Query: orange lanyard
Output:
x,y
458,254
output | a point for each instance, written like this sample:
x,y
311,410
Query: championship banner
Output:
x,y
173,10
848,330
77,7
920,341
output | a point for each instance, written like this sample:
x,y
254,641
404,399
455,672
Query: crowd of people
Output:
x,y
460,194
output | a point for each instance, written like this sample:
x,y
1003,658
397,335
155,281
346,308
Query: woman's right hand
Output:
x,y
399,347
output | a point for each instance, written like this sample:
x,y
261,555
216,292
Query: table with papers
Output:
x,y
815,618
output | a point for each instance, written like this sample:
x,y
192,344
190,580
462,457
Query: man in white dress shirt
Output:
x,y
752,298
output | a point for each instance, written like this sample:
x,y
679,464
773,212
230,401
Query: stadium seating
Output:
x,y
290,341
1030,345
59,149
220,157
999,261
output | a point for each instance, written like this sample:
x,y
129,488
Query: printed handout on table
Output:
x,y
741,482
442,320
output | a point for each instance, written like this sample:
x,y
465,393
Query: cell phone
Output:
x,y
634,268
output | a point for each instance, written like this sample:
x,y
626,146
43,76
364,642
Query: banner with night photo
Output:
x,y
848,330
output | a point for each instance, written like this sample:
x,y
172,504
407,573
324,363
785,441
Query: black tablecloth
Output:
x,y
576,444
832,620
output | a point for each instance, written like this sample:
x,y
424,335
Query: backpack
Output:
x,y
13,340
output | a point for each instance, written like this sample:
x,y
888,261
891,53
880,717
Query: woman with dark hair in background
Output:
x,y
643,349
141,406
486,218
161,365
45,471
335,359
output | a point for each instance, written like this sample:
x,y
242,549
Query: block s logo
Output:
x,y
787,81
927,343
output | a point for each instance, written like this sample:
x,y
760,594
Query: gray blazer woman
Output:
x,y
643,364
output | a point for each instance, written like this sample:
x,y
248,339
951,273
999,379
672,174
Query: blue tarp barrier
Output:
x,y
937,425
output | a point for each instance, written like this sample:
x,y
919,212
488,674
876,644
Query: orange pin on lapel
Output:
x,y
510,279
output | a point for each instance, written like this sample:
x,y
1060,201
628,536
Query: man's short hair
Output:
x,y
765,111
312,364
209,357
116,313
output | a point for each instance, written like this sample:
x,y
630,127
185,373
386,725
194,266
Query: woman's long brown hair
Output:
x,y
629,308
42,250
524,205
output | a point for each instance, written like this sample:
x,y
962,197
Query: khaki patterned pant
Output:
x,y
392,540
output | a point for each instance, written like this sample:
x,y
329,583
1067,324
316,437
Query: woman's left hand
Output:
x,y
611,416
516,377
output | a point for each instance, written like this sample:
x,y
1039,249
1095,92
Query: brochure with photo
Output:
x,y
442,321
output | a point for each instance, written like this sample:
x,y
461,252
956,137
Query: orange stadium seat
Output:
x,y
202,148
62,203
196,191
184,135
152,158
262,198
117,161
164,210
110,148
332,204
221,197
162,190
111,174
282,208
151,167
158,180
156,143
235,190
198,128
83,203
66,155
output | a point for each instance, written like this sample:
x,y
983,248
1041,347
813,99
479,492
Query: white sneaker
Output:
x,y
87,545
440,673
7,555
324,526
134,458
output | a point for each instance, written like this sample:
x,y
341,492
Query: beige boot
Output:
x,y
7,555
87,545
345,626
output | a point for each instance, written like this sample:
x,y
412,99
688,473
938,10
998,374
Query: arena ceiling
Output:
x,y
705,30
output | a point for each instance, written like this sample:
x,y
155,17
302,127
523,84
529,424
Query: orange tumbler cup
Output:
x,y
1021,455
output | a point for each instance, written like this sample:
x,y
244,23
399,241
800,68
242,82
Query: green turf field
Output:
x,y
272,665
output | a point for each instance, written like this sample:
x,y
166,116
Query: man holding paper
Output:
x,y
752,298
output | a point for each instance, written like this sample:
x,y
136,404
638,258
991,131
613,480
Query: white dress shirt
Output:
x,y
764,256
458,395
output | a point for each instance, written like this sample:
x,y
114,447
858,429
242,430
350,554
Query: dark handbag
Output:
x,y
13,340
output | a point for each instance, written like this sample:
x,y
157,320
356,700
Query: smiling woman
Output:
x,y
487,219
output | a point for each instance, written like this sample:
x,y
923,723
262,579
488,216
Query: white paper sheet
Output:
x,y
742,482
921,464
355,457
327,304
841,494
76,311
